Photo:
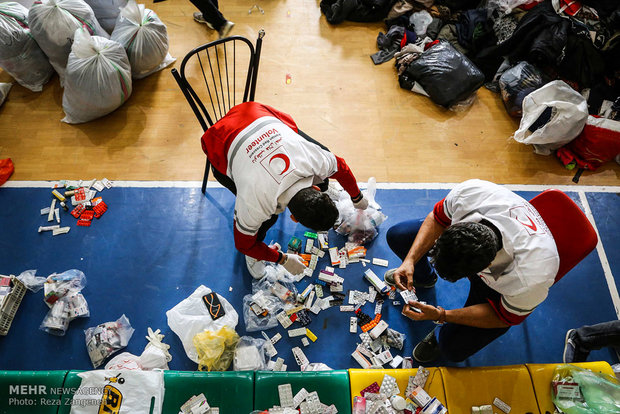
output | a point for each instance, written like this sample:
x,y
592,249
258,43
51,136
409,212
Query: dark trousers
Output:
x,y
210,12
400,237
457,342
601,335
227,182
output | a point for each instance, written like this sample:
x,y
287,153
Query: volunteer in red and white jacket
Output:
x,y
259,154
487,233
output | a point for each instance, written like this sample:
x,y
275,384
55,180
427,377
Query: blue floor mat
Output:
x,y
155,246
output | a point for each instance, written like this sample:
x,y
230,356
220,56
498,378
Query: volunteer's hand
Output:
x,y
428,312
403,276
293,263
361,204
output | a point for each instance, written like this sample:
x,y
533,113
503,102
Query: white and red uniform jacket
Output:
x,y
258,147
526,266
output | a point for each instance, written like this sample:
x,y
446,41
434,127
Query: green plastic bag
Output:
x,y
576,390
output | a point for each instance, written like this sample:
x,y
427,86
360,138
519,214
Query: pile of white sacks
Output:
x,y
95,46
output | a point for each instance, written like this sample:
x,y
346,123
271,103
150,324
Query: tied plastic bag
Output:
x,y
106,12
420,21
215,349
126,392
20,55
62,295
191,316
250,354
575,390
31,280
53,24
553,116
145,38
97,79
447,75
154,356
516,83
107,338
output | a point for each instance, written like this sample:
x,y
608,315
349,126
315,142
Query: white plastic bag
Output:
x,y
106,12
569,113
105,339
32,282
53,24
20,55
154,356
98,78
256,322
191,316
420,21
125,392
145,38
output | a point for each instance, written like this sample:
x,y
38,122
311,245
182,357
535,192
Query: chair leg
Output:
x,y
206,176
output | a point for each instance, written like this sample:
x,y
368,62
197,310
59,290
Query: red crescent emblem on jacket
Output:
x,y
287,162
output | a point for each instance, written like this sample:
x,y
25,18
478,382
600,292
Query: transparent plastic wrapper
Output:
x,y
31,280
4,91
58,285
154,356
215,349
575,390
107,338
420,21
125,392
20,55
505,6
516,83
64,310
395,338
191,316
53,24
278,283
447,76
106,12
553,115
259,311
317,366
145,38
250,354
97,79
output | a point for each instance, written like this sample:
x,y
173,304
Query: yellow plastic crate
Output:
x,y
361,378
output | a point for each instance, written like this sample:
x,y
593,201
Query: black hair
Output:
x,y
313,209
463,250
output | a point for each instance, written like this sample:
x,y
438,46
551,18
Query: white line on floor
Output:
x,y
609,277
383,186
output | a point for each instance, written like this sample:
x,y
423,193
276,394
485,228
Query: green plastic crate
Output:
x,y
332,387
232,392
30,392
71,384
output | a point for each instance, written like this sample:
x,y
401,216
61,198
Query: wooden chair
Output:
x,y
217,76
574,235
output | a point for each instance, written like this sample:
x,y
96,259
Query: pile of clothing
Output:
x,y
527,42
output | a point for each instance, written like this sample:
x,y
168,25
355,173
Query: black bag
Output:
x,y
446,75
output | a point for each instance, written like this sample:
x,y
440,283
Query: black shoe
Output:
x,y
572,353
427,349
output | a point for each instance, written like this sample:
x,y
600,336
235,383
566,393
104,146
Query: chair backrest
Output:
x,y
219,75
574,235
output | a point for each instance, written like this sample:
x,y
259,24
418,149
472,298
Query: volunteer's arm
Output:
x,y
250,246
481,315
346,179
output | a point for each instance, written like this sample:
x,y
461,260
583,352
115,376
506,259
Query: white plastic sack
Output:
x,y
568,117
191,316
4,91
154,356
53,24
250,355
145,38
106,12
127,392
98,78
20,55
